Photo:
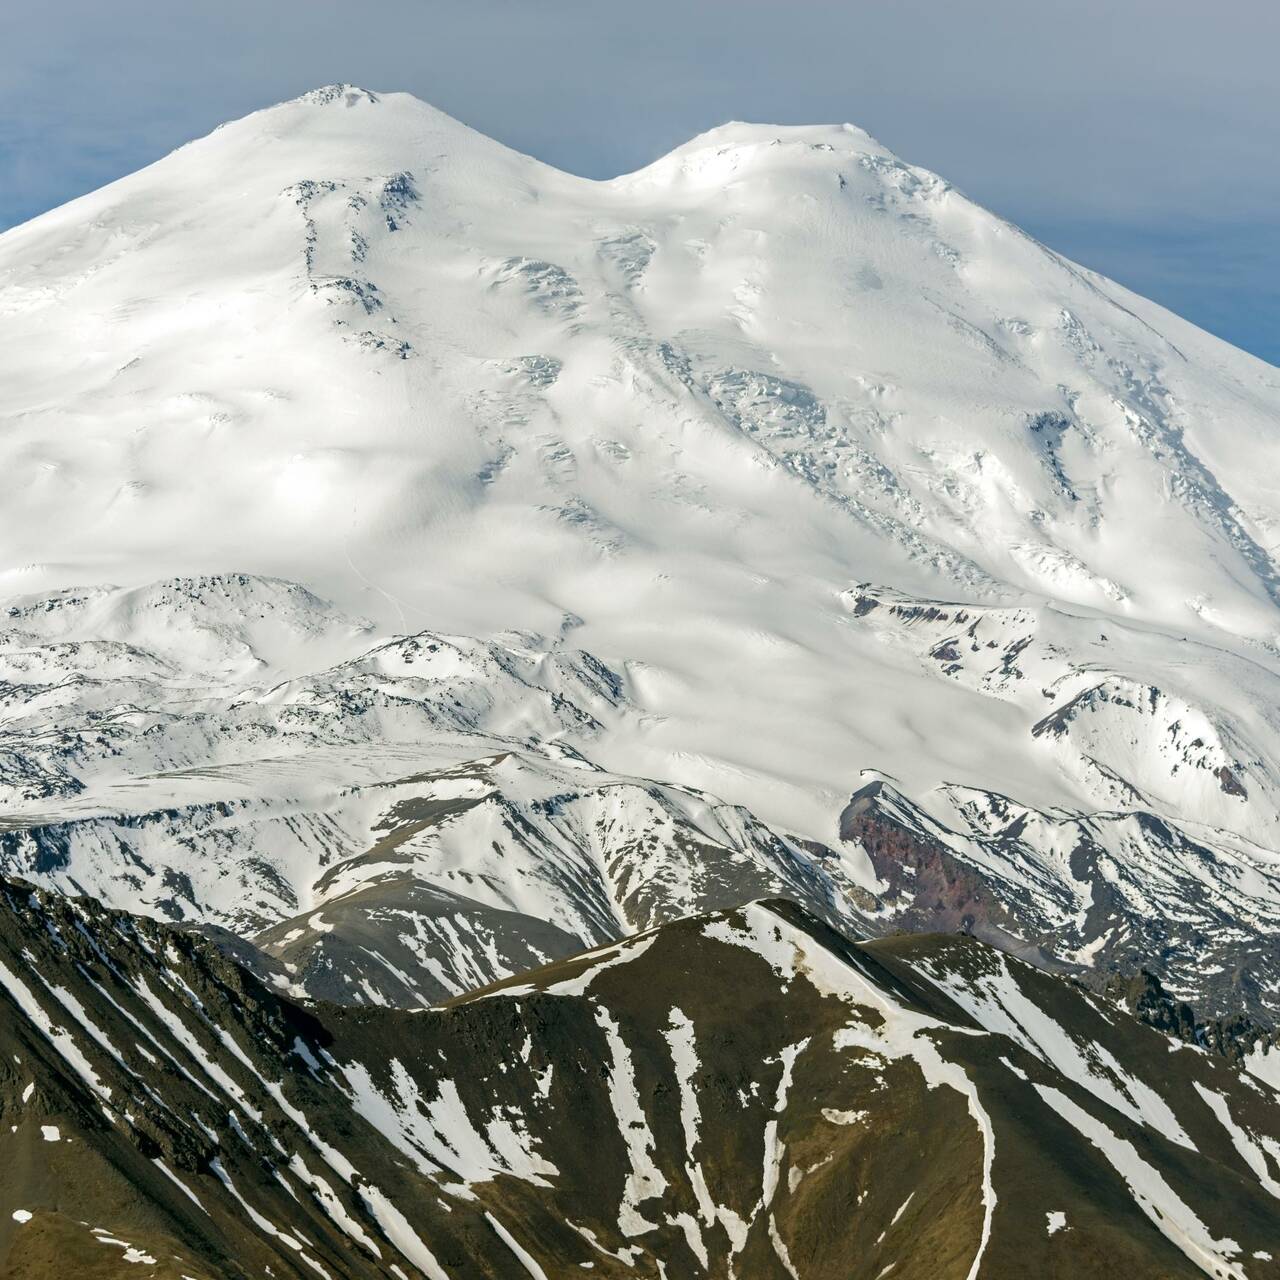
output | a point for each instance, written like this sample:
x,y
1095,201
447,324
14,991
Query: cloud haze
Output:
x,y
1134,135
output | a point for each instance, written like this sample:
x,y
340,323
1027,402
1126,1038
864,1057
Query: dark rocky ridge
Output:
x,y
744,1094
1234,1038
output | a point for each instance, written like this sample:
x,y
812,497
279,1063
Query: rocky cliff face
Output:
x,y
1100,897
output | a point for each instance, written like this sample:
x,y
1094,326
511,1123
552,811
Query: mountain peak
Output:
x,y
349,95
349,343
845,137
740,148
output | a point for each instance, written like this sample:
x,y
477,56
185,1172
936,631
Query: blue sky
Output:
x,y
1139,137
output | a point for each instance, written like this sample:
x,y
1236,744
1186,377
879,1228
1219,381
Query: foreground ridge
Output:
x,y
745,1093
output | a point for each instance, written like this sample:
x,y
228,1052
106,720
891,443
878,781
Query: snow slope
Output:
x,y
830,467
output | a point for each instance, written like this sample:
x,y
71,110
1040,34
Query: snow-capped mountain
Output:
x,y
741,1094
661,518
